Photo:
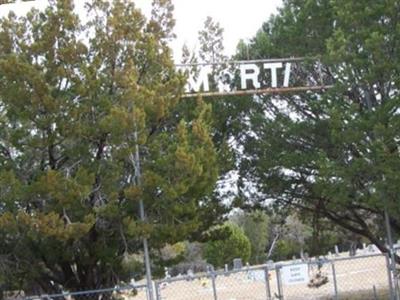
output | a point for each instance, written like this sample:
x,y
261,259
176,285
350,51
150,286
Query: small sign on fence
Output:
x,y
295,274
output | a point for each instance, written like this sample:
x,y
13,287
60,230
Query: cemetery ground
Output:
x,y
362,277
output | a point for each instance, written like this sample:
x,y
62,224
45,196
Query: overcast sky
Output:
x,y
240,18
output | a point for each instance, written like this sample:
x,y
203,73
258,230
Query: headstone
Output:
x,y
189,275
270,264
306,256
237,264
256,275
247,266
336,250
166,272
320,262
373,249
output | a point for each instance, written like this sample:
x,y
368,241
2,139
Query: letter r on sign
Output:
x,y
249,72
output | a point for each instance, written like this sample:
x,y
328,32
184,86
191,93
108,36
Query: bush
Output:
x,y
235,245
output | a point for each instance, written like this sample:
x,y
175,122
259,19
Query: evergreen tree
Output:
x,y
230,243
224,112
255,225
335,155
75,101
211,42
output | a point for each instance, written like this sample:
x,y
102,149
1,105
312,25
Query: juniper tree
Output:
x,y
332,156
75,100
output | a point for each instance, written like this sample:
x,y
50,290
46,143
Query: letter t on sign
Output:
x,y
273,67
249,72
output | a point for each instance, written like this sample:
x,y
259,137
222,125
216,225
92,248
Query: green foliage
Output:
x,y
255,225
211,42
228,113
300,29
132,266
76,101
285,249
169,255
331,156
235,245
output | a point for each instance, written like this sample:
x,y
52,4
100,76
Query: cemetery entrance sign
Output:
x,y
265,76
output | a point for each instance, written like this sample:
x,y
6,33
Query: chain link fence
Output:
x,y
134,292
358,277
361,277
235,284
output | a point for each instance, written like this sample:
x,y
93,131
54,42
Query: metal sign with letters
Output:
x,y
267,76
295,274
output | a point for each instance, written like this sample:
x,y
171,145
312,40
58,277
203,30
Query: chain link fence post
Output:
x,y
279,281
395,277
334,281
157,290
214,287
390,280
267,286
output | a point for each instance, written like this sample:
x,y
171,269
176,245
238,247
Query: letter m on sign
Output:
x,y
200,81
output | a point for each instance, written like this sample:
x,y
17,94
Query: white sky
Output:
x,y
240,18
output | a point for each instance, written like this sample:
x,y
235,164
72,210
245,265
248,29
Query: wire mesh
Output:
x,y
197,287
318,282
362,277
249,283
138,292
